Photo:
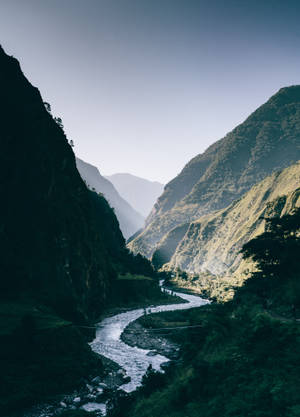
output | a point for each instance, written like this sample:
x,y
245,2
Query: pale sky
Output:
x,y
142,86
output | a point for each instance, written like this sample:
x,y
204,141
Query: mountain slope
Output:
x,y
56,235
130,220
139,192
239,358
212,243
61,252
268,140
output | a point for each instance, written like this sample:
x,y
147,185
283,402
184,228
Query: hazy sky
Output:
x,y
142,86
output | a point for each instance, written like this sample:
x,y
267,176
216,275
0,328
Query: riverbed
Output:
x,y
133,360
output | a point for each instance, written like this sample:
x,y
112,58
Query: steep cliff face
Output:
x,y
129,219
213,242
61,252
59,241
267,141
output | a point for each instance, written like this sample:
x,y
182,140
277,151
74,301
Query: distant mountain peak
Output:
x,y
129,176
139,192
130,219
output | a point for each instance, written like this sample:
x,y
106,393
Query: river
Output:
x,y
133,360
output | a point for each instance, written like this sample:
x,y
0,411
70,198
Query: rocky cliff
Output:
x,y
267,141
213,242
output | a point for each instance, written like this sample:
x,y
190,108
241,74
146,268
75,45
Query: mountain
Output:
x,y
130,220
212,243
239,358
139,192
267,141
62,252
56,235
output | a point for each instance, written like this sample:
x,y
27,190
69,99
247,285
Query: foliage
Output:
x,y
61,250
243,359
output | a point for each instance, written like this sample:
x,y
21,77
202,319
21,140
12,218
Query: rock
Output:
x,y
100,390
96,380
77,400
63,404
121,372
89,387
152,353
102,385
165,365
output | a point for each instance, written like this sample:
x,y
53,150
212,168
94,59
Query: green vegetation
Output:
x,y
135,291
77,413
61,252
41,355
12,315
128,276
217,288
267,141
243,359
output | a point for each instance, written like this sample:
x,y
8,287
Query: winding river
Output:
x,y
133,360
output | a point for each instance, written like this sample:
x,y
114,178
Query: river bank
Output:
x,y
135,334
124,365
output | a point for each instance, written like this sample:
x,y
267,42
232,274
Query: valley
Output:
x,y
128,366
85,327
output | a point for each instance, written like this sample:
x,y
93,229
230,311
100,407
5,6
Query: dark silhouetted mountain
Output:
x,y
56,235
267,141
130,220
61,251
139,192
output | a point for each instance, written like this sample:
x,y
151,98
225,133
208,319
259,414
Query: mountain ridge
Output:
x,y
213,242
62,253
266,141
129,219
140,192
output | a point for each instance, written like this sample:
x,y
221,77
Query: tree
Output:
x,y
59,122
47,107
276,254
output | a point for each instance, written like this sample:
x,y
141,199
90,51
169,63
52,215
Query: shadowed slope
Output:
x,y
130,220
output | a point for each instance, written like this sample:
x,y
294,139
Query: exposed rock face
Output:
x,y
267,141
129,219
212,243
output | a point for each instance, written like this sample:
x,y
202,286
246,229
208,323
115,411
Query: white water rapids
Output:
x,y
132,359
